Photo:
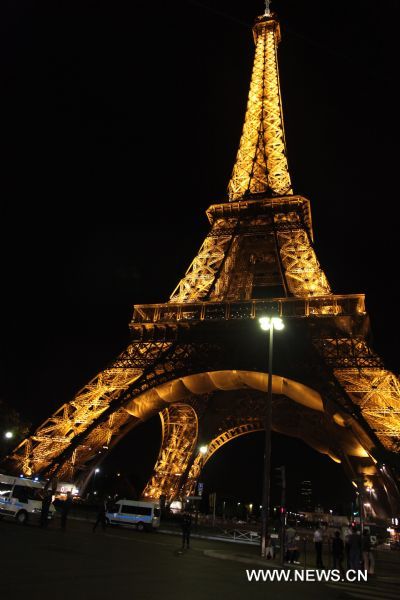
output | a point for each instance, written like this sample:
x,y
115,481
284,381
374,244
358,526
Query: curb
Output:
x,y
243,559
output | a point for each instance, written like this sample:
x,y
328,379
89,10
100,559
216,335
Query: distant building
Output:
x,y
306,496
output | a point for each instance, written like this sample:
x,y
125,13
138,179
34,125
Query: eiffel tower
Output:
x,y
199,360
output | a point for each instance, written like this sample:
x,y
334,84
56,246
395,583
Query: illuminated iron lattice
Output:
x,y
261,163
377,393
201,274
179,437
72,419
221,269
303,273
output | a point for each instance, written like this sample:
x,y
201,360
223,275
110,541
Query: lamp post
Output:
x,y
198,490
202,453
268,324
97,470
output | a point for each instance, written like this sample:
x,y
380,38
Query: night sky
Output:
x,y
121,123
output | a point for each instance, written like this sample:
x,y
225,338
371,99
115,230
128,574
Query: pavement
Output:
x,y
120,562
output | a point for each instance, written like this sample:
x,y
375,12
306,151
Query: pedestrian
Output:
x,y
46,502
270,547
186,527
337,551
354,550
65,508
318,547
368,556
346,535
101,517
291,545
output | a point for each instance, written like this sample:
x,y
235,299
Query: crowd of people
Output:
x,y
349,549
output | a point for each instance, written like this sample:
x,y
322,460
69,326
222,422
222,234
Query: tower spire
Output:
x,y
261,167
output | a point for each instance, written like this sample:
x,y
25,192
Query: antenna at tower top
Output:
x,y
267,12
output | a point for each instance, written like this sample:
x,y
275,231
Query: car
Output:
x,y
21,499
134,513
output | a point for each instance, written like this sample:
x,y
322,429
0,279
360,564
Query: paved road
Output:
x,y
122,563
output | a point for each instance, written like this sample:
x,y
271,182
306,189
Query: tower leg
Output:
x,y
179,438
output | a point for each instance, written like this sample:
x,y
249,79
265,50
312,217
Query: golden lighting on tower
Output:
x,y
261,166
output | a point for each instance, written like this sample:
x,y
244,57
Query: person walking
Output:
x,y
46,502
337,552
290,544
318,547
368,556
101,517
346,536
354,550
186,528
65,508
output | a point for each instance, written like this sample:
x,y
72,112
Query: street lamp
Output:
x,y
97,470
8,435
268,324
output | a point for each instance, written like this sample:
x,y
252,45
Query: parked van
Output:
x,y
21,498
141,515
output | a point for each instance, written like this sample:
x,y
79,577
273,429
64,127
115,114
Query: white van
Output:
x,y
20,498
141,515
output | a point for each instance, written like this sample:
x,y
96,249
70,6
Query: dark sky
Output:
x,y
121,122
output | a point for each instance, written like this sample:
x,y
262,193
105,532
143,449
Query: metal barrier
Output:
x,y
252,537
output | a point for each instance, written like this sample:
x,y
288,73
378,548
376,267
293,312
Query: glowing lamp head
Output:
x,y
267,323
203,450
8,435
97,470
278,323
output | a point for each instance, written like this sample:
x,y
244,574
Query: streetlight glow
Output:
x,y
267,323
97,470
203,450
8,435
278,323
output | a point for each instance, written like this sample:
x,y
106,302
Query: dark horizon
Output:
x,y
122,128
